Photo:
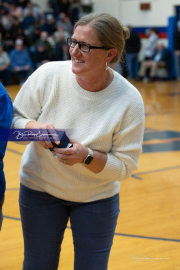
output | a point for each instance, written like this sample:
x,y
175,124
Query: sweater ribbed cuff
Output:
x,y
111,169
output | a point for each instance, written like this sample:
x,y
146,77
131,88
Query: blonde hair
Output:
x,y
109,31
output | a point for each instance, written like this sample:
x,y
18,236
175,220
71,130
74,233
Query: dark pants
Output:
x,y
44,220
5,76
20,76
1,218
132,65
1,213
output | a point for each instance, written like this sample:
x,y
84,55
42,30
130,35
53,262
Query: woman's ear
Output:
x,y
111,54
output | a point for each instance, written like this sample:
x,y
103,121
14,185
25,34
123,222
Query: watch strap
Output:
x,y
90,154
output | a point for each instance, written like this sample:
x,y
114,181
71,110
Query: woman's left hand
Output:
x,y
73,155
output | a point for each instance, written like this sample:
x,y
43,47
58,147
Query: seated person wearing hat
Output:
x,y
41,55
161,59
49,26
21,63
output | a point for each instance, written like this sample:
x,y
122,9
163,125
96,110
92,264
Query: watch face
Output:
x,y
88,160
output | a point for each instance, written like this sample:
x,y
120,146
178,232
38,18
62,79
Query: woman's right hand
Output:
x,y
44,129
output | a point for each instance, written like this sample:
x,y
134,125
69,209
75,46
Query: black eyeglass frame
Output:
x,y
80,43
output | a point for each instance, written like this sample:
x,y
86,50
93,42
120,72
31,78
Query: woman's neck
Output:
x,y
96,84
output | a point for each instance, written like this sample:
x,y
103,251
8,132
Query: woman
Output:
x,y
104,117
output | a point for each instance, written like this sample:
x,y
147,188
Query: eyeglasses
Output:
x,y
83,46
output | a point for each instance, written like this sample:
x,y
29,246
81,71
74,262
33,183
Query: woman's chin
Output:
x,y
77,70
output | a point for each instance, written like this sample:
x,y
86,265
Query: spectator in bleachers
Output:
x,y
20,34
41,55
22,3
16,11
75,11
25,20
133,45
15,27
4,7
65,23
52,42
2,41
160,59
61,50
66,54
54,4
49,25
53,8
151,44
36,10
49,9
4,64
28,21
35,34
60,35
64,6
21,64
177,50
9,41
7,21
58,52
44,37
2,29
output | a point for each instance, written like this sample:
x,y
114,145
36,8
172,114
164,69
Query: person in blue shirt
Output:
x,y
6,110
21,64
28,20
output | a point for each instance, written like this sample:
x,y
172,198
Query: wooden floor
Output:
x,y
148,230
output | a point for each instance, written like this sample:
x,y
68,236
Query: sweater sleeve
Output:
x,y
127,145
29,101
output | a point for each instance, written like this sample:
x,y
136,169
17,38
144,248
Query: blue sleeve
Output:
x,y
6,110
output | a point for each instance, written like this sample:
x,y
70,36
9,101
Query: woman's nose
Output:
x,y
76,49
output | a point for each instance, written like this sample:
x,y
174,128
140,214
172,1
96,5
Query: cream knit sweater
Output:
x,y
111,121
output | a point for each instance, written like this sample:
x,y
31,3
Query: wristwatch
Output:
x,y
89,157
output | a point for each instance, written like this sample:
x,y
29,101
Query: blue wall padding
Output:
x,y
170,31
